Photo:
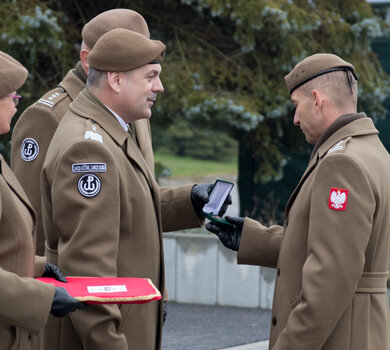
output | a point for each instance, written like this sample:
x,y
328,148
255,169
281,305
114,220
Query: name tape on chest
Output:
x,y
29,149
338,198
89,168
89,185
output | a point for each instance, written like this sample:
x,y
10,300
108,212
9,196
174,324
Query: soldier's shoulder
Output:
x,y
52,98
340,146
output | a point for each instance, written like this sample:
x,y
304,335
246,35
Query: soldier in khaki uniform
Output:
x,y
332,254
103,212
36,126
24,302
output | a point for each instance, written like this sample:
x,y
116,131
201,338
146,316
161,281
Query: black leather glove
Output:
x,y
229,235
52,270
200,196
64,303
165,311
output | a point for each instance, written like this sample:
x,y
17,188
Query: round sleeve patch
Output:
x,y
29,150
89,185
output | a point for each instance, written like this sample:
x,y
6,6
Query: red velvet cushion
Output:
x,y
108,290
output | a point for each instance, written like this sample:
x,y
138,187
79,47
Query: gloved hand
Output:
x,y
230,236
52,270
200,196
64,303
165,311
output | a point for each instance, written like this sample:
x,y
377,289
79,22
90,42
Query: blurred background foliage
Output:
x,y
223,73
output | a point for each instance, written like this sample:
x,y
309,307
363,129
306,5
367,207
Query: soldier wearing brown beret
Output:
x,y
24,302
332,254
36,126
103,211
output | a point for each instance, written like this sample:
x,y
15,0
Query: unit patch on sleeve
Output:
x,y
89,185
338,199
89,168
29,149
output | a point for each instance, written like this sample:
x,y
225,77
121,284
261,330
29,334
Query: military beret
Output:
x,y
12,74
111,19
122,50
314,66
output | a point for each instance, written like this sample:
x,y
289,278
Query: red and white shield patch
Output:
x,y
338,199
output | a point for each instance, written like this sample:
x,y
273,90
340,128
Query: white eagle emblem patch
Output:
x,y
338,199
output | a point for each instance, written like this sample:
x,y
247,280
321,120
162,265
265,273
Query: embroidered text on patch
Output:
x,y
91,135
89,168
338,198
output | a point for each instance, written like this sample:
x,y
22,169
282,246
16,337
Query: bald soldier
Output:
x,y
103,212
36,126
332,254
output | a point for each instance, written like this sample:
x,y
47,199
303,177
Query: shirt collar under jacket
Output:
x,y
120,120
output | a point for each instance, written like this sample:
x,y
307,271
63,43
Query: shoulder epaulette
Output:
x,y
339,146
51,98
92,132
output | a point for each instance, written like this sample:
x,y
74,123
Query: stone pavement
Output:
x,y
202,327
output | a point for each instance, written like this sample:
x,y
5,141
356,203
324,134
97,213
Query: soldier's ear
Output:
x,y
84,52
114,81
318,100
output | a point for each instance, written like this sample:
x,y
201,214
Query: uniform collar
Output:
x,y
119,119
72,83
355,127
87,106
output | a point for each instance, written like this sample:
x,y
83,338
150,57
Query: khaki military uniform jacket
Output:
x,y
31,138
332,255
24,302
103,215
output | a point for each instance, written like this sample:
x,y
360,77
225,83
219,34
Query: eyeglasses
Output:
x,y
15,99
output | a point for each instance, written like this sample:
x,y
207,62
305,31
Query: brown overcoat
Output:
x,y
330,290
31,138
103,215
24,302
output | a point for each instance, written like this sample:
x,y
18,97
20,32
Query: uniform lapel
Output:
x,y
142,133
134,153
13,183
308,171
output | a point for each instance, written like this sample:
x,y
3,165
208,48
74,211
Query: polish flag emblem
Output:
x,y
338,199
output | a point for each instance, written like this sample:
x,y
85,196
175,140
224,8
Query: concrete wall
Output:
x,y
200,270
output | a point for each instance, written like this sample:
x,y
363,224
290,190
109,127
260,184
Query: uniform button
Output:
x,y
274,321
278,271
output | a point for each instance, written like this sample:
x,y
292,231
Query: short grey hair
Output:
x,y
96,78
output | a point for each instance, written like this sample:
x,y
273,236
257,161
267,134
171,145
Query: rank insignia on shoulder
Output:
x,y
339,146
89,185
89,168
29,149
52,99
338,198
92,135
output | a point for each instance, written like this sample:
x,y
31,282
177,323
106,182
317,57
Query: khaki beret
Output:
x,y
12,74
313,66
122,50
116,18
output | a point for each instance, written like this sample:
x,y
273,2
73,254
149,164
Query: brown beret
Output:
x,y
12,74
313,66
123,50
116,18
